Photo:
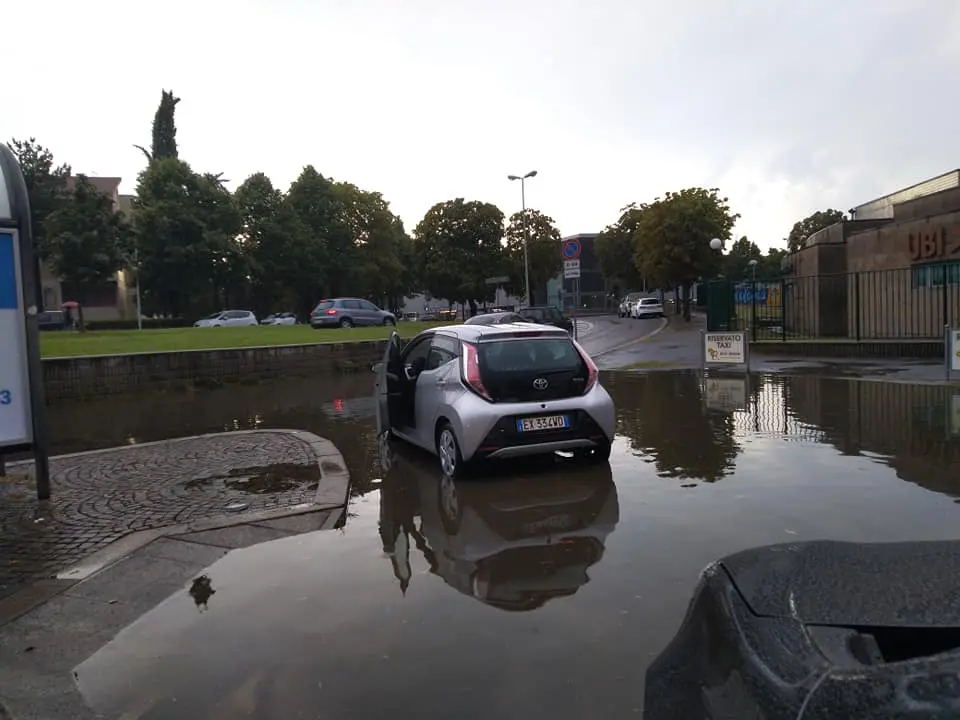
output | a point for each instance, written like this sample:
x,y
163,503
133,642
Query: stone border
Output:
x,y
333,491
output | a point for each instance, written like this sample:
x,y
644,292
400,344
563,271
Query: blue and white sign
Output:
x,y
16,427
571,249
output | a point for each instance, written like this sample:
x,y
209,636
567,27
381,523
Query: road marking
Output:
x,y
663,323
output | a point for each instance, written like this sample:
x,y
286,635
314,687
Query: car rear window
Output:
x,y
325,305
649,301
523,355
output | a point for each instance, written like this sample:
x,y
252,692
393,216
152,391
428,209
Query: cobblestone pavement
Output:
x,y
99,497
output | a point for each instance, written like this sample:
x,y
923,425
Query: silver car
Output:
x,y
472,392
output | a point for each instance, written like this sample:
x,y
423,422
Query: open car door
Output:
x,y
388,384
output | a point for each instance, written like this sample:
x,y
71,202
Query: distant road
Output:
x,y
603,333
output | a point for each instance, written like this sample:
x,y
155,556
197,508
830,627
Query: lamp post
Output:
x,y
523,206
753,268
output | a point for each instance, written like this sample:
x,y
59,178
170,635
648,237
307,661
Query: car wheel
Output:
x,y
387,322
448,450
451,512
346,323
598,454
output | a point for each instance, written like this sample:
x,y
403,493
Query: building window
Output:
x,y
932,276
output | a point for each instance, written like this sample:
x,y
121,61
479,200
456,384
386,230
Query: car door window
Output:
x,y
442,350
368,306
415,356
351,304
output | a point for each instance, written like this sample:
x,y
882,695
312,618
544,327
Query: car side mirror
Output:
x,y
376,367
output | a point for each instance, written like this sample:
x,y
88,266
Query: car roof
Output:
x,y
474,333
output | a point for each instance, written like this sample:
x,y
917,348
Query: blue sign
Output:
x,y
571,249
15,424
744,294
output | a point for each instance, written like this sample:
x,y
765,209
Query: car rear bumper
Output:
x,y
326,320
488,430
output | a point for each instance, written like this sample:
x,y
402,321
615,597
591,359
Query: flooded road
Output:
x,y
542,590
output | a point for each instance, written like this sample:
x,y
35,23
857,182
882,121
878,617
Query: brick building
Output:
x,y
890,272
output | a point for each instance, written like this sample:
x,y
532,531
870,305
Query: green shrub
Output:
x,y
148,324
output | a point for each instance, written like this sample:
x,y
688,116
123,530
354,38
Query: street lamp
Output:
x,y
523,205
753,268
716,244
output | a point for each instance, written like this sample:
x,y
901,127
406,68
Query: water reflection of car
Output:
x,y
477,392
513,542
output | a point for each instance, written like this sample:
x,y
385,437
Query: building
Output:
x,y
890,272
115,299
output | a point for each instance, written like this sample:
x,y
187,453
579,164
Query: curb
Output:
x,y
333,491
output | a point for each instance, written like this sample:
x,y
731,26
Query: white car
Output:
x,y
627,304
228,318
285,318
647,307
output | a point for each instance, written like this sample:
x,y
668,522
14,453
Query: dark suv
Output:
x,y
349,312
547,315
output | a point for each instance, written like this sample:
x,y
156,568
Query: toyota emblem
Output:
x,y
540,384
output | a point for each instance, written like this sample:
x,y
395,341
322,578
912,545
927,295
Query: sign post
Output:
x,y
22,424
570,252
951,351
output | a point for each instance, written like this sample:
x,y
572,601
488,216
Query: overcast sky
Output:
x,y
786,106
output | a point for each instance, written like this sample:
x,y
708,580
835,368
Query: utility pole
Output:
x,y
526,230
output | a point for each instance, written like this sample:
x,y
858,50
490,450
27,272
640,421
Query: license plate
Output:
x,y
548,422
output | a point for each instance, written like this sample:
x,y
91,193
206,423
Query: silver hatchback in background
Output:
x,y
472,392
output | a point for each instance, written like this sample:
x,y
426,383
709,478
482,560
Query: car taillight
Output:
x,y
331,311
470,370
593,374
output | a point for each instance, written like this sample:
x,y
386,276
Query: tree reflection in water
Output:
x,y
664,417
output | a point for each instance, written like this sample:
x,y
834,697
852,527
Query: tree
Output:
x,y
459,245
88,241
770,265
328,234
615,251
671,427
672,241
543,252
379,238
186,227
164,143
803,229
736,263
46,187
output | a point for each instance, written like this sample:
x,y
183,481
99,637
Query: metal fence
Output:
x,y
904,304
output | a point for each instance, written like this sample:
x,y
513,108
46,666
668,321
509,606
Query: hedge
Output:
x,y
148,324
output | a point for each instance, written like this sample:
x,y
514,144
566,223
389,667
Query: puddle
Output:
x,y
278,478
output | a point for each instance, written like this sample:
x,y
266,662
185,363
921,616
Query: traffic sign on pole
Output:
x,y
571,269
571,248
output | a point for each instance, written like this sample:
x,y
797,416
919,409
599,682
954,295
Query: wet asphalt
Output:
x,y
534,590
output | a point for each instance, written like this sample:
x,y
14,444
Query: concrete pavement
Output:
x,y
677,346
141,492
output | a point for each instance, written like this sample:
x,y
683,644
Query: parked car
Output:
x,y
349,312
626,305
228,318
285,318
472,392
53,320
647,307
547,315
494,318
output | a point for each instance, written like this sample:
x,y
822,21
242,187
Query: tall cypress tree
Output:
x,y
164,143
